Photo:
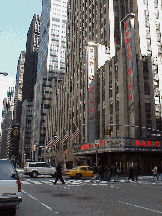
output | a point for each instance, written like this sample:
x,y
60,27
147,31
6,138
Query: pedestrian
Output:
x,y
136,172
122,169
116,173
101,173
105,172
59,174
155,172
95,172
109,172
158,171
131,174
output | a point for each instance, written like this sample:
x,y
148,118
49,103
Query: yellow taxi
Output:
x,y
79,171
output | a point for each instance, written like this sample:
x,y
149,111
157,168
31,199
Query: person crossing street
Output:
x,y
59,174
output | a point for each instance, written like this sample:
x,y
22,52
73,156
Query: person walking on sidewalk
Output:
x,y
101,172
131,174
155,172
59,174
95,172
158,171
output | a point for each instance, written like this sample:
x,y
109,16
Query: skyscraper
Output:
x,y
18,90
7,117
121,99
31,59
18,105
51,62
29,80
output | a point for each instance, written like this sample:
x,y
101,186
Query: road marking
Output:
x,y
46,182
38,201
35,182
141,207
25,182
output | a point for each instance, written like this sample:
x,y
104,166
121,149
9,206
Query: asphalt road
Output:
x,y
84,198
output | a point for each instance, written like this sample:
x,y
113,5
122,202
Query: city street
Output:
x,y
84,197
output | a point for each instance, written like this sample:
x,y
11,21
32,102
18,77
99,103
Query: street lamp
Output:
x,y
4,73
131,16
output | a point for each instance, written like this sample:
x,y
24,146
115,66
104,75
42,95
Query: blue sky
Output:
x,y
15,19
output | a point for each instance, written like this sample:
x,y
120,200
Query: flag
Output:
x,y
49,142
66,136
57,139
75,133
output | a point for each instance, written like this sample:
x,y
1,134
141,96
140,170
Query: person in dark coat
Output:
x,y
131,174
101,172
158,172
59,174
108,172
105,172
122,169
95,172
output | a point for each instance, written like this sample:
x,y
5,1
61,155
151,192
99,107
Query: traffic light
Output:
x,y
107,131
14,132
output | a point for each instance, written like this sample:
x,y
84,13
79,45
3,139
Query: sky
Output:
x,y
15,19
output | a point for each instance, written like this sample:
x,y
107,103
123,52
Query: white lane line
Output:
x,y
36,182
38,201
25,182
141,207
46,182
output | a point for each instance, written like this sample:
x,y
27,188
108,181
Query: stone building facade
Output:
x,y
125,89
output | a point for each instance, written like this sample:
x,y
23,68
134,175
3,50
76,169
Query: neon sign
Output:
x,y
127,34
91,78
147,143
90,145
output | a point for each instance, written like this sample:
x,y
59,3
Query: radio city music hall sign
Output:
x,y
147,143
129,58
91,145
91,78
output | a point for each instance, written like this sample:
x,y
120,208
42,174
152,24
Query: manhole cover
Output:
x,y
62,195
85,198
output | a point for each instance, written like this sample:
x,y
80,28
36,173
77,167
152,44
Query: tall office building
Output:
x,y
7,117
18,90
117,97
18,105
31,59
51,62
29,80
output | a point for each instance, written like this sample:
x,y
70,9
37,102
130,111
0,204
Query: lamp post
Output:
x,y
131,16
4,73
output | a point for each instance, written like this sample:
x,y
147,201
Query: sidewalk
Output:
x,y
139,178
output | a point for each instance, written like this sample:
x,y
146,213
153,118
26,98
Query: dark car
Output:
x,y
10,187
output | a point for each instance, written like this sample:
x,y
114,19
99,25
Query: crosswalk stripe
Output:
x,y
81,182
25,182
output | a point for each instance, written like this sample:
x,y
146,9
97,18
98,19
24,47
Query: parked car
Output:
x,y
79,171
10,187
33,169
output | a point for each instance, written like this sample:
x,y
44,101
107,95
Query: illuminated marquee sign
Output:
x,y
129,58
147,143
91,78
90,145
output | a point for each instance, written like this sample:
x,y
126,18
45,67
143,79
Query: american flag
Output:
x,y
49,142
57,139
75,133
66,136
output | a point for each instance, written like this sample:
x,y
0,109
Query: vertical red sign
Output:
x,y
128,39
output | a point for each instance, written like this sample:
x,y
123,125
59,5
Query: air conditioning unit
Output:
x,y
107,50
